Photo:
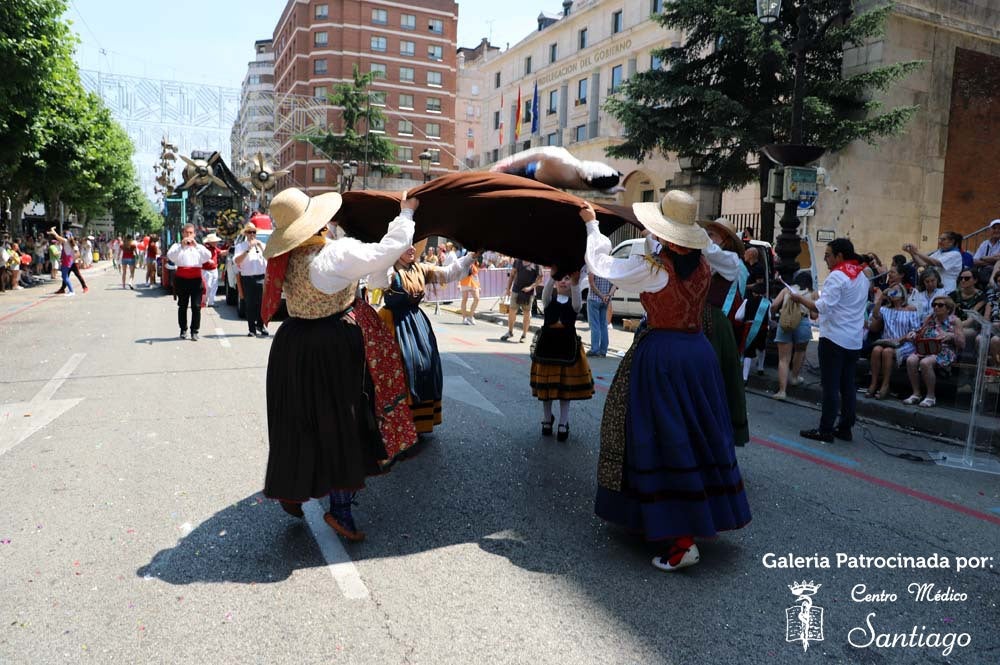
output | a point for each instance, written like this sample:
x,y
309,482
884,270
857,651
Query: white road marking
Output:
x,y
20,420
456,387
455,358
221,334
50,388
338,560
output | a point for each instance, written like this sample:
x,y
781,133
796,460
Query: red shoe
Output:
x,y
85,289
681,554
350,534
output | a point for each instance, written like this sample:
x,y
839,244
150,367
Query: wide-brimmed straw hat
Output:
x,y
211,237
296,217
724,227
672,220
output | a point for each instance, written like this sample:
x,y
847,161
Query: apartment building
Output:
x,y
410,45
253,130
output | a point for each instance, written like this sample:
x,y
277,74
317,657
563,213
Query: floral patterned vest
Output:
x,y
678,305
304,300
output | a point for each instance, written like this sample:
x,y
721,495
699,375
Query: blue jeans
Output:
x,y
597,317
836,376
65,271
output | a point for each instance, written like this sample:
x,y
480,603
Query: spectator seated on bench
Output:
x,y
936,343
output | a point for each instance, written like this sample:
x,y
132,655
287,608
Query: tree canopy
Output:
x,y
59,143
359,139
726,91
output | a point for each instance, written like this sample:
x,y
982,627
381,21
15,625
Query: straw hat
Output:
x,y
672,219
211,237
296,217
724,227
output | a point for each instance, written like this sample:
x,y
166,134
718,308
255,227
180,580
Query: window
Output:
x,y
435,52
404,154
470,133
320,39
378,69
553,52
496,80
655,6
319,66
434,78
407,48
553,101
527,65
319,174
581,92
378,43
406,127
406,101
552,138
322,11
526,115
647,196
655,62
408,22
580,132
583,38
378,125
380,16
436,26
253,79
433,130
470,112
616,78
434,104
319,93
616,22
496,120
435,155
495,155
406,74
403,176
378,98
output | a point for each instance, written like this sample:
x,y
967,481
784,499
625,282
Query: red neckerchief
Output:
x,y
851,268
274,280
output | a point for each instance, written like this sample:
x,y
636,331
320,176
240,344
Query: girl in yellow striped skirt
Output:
x,y
559,368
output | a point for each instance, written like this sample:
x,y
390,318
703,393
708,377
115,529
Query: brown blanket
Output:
x,y
488,211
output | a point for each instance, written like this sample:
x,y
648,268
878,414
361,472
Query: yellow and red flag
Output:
x,y
517,125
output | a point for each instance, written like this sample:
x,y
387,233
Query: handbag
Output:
x,y
927,346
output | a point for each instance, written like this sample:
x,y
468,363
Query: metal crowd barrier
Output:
x,y
492,284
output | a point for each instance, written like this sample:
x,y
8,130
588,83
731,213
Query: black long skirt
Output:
x,y
321,426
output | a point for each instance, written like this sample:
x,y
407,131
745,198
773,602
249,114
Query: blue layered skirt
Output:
x,y
679,475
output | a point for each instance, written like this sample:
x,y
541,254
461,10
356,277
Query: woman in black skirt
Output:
x,y
333,390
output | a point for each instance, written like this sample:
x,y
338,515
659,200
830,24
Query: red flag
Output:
x,y
501,120
517,124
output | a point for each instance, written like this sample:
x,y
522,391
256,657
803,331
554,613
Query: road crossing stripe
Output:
x,y
339,563
53,384
221,334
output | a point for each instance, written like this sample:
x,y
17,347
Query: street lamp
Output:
x,y
348,171
425,164
807,36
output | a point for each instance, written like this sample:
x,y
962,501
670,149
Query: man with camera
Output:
x,y
188,256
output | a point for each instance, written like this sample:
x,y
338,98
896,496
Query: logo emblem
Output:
x,y
804,621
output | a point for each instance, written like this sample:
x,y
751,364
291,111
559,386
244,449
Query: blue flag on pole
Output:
x,y
534,110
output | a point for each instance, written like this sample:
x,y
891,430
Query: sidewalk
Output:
x,y
949,419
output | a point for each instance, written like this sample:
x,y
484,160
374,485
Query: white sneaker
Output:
x,y
472,320
691,557
465,321
69,293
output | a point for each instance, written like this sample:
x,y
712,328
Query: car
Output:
x,y
624,303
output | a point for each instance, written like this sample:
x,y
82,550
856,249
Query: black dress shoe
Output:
x,y
263,332
547,427
816,435
562,432
843,434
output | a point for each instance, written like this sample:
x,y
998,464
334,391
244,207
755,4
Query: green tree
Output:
x,y
726,91
355,141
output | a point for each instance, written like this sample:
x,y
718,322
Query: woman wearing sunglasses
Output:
x,y
938,342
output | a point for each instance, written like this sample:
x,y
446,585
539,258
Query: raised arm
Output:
x,y
633,273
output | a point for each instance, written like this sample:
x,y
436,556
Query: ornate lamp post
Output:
x,y
348,171
794,153
425,164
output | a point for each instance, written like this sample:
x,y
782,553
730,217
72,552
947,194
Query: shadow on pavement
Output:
x,y
250,541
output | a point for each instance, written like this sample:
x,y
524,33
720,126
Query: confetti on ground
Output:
x,y
222,533
5,541
229,616
947,620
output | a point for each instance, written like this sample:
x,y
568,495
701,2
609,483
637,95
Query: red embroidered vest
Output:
x,y
678,305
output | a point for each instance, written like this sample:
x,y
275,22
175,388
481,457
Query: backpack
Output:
x,y
790,315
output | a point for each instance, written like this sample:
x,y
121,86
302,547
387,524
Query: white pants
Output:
x,y
211,285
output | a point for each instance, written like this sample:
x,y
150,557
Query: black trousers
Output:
x,y
188,289
253,295
836,376
75,269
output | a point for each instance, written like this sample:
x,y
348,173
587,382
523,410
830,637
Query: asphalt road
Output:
x,y
132,529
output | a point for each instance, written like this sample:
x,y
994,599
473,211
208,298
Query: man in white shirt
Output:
x,y
988,254
841,309
187,255
947,258
249,258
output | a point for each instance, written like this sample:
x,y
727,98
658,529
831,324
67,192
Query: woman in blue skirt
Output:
x,y
667,467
